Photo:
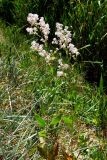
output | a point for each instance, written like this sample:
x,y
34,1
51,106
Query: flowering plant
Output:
x,y
62,41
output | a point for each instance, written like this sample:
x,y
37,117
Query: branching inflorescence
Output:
x,y
61,41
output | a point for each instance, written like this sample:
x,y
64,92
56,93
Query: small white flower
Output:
x,y
41,22
73,49
63,46
65,66
51,51
42,40
29,30
62,66
71,45
58,34
42,53
32,18
60,73
66,27
34,45
55,41
60,61
68,40
57,49
33,42
47,58
59,26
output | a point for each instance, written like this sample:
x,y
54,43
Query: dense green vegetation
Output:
x,y
43,116
88,20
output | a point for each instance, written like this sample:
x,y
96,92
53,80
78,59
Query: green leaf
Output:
x,y
56,120
40,121
67,120
42,133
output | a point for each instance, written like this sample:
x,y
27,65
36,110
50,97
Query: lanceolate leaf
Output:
x,y
56,120
42,133
67,120
40,121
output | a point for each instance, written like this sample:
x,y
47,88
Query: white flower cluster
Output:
x,y
64,40
31,30
44,27
60,73
38,24
32,19
73,50
62,65
41,51
61,68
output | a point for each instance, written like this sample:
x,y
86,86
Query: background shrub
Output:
x,y
6,8
21,10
